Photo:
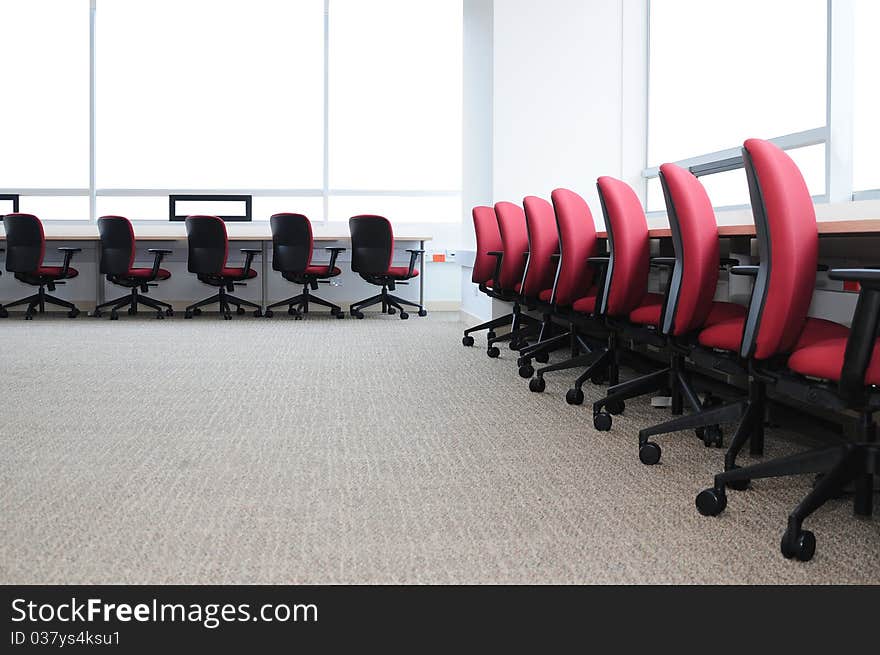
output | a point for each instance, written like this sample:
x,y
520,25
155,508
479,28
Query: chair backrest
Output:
x,y
788,245
514,242
488,240
543,242
291,242
117,245
208,244
577,242
695,241
25,243
630,250
372,243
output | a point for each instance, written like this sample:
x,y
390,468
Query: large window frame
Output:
x,y
326,192
836,135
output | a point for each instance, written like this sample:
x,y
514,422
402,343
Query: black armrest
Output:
x,y
867,277
556,255
161,250
413,256
598,260
662,261
728,261
157,259
498,255
249,256
415,250
68,255
334,253
745,270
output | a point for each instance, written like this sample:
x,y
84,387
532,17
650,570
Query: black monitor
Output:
x,y
226,206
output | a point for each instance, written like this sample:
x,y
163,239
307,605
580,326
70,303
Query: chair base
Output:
x,y
223,299
601,364
37,304
130,303
298,305
391,304
468,340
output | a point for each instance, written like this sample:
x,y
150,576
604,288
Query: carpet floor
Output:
x,y
373,451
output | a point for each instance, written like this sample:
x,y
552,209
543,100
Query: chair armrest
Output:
x,y
495,253
159,254
334,253
68,255
415,250
728,261
751,271
662,261
498,255
598,260
413,256
164,251
556,255
867,277
249,256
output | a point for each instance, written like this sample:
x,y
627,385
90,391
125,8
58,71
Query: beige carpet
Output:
x,y
373,451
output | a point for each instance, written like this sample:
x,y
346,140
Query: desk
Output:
x,y
860,227
176,231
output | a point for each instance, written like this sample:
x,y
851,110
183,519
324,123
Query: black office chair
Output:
x,y
292,248
208,251
118,248
372,252
26,248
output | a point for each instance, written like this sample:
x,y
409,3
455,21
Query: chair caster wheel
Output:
x,y
467,340
258,313
711,435
358,315
574,397
73,313
615,407
598,379
493,352
649,453
269,313
169,312
132,311
711,502
526,370
423,312
28,317
515,345
3,313
542,357
297,317
197,311
160,315
490,335
114,315
187,314
403,316
798,545
602,421
291,311
340,315
738,485
227,317
240,311
537,385
391,311
94,314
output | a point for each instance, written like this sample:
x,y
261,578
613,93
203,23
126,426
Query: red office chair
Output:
x,y
372,256
25,250
208,247
828,365
487,264
3,312
292,250
687,308
118,249
573,296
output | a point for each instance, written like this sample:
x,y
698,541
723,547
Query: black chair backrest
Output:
x,y
117,245
25,243
291,242
372,243
208,245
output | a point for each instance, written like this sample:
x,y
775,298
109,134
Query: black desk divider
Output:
x,y
174,199
6,197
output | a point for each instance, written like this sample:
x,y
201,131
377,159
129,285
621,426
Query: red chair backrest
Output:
x,y
788,243
627,276
577,242
695,240
514,241
543,243
488,240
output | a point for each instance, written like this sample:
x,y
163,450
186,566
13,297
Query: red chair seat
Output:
x,y
237,272
648,313
725,311
824,359
545,295
585,305
401,272
55,272
321,270
727,335
146,273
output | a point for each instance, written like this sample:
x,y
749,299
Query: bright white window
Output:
x,y
866,127
209,94
44,111
395,94
399,209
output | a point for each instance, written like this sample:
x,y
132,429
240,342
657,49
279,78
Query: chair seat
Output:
x,y
401,272
727,335
545,295
146,273
237,272
648,313
585,305
55,272
725,311
823,358
321,270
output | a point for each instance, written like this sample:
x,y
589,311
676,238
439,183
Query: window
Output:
x,y
44,115
866,129
721,72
